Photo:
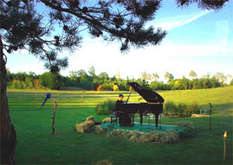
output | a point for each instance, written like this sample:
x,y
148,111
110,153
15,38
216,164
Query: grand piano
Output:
x,y
154,105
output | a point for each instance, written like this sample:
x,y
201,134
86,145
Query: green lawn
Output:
x,y
36,145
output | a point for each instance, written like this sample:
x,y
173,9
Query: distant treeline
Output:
x,y
90,81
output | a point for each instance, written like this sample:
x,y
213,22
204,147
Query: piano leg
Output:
x,y
156,120
132,119
141,118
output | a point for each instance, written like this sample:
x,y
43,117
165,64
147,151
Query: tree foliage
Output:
x,y
113,20
168,76
192,74
22,28
88,81
204,4
51,80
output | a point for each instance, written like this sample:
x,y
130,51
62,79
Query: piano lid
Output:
x,y
147,94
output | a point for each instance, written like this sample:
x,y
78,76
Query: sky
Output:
x,y
197,39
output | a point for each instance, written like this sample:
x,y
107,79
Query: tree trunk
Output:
x,y
7,130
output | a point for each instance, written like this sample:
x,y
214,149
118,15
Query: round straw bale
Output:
x,y
79,128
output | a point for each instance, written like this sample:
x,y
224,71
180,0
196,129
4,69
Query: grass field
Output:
x,y
36,145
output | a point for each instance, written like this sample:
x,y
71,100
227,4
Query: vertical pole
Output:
x,y
210,117
54,115
225,145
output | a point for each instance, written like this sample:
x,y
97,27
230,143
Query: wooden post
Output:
x,y
225,145
54,116
210,119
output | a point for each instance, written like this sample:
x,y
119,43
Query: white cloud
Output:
x,y
178,21
162,58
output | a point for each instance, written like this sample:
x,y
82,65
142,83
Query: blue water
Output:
x,y
144,127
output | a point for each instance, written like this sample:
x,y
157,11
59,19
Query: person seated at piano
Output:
x,y
124,117
120,99
118,102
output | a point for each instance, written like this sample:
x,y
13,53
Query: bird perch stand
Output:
x,y
210,113
225,145
54,116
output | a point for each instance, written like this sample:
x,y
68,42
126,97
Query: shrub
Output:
x,y
29,82
180,109
195,108
17,84
169,108
105,108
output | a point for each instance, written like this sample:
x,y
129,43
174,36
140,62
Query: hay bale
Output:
x,y
130,134
116,132
85,126
135,136
145,138
156,137
169,136
90,118
99,129
79,128
173,137
164,138
106,120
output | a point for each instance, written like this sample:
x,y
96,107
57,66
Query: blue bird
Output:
x,y
48,96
